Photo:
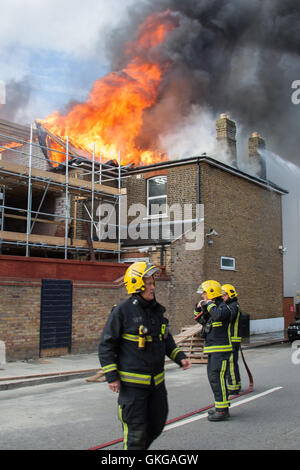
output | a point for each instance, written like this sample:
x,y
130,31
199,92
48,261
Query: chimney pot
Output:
x,y
255,145
226,142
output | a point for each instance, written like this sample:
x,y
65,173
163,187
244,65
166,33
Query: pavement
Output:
x,y
73,366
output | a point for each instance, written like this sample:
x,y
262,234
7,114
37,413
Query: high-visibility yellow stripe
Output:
x,y
209,307
109,368
236,324
234,387
231,370
212,349
159,378
174,353
134,337
222,380
125,428
217,323
236,339
135,378
222,404
142,379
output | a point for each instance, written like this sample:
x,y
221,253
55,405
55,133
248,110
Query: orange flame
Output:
x,y
10,145
112,116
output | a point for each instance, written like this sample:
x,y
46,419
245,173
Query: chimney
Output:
x,y
256,144
226,142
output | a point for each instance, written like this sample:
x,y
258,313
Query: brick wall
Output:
x,y
20,319
247,218
20,315
91,307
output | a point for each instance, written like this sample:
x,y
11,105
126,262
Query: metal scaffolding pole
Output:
x,y
67,209
119,209
93,190
29,194
2,195
25,170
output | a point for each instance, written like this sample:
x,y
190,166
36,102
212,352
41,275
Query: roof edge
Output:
x,y
216,163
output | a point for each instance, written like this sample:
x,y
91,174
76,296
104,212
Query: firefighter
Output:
x,y
214,315
233,376
132,353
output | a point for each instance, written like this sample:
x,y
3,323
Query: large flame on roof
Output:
x,y
112,116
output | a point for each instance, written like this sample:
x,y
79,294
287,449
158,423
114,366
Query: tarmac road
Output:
x,y
76,415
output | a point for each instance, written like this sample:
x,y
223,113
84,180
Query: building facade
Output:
x,y
234,240
198,218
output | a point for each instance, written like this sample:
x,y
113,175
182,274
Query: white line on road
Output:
x,y
241,402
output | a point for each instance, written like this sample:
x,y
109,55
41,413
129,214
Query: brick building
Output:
x,y
241,222
199,218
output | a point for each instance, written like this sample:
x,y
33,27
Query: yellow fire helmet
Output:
x,y
213,289
134,276
230,290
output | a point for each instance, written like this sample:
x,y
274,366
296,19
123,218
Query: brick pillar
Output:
x,y
256,145
226,142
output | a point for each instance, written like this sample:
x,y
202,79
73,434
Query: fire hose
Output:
x,y
191,413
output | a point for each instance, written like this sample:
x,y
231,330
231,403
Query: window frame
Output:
x,y
227,268
152,198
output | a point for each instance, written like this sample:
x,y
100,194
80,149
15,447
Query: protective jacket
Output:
x,y
235,330
119,352
217,316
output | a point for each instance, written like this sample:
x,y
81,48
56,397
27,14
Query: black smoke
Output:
x,y
17,97
227,56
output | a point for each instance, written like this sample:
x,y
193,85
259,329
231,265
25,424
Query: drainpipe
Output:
x,y
199,183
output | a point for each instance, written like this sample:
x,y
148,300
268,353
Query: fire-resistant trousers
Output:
x,y
233,377
143,414
216,371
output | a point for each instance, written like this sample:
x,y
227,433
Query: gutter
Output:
x,y
211,161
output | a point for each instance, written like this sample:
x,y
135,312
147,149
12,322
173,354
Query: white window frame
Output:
x,y
152,198
227,268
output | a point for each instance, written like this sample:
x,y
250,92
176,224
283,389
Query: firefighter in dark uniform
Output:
x,y
132,353
233,376
214,315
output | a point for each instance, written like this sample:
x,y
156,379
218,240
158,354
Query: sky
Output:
x,y
228,56
51,51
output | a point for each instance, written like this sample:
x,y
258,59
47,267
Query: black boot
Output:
x,y
219,415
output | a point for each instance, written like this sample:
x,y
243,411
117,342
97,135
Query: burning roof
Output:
x,y
112,117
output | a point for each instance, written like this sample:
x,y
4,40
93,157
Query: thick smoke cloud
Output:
x,y
17,94
227,56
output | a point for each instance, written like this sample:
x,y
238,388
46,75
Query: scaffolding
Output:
x,y
27,169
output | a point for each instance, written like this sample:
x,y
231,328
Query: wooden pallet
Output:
x,y
98,377
192,344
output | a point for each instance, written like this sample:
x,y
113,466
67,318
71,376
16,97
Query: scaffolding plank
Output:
x,y
22,217
19,170
56,241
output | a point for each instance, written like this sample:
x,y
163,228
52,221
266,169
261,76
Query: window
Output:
x,y
157,196
227,263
